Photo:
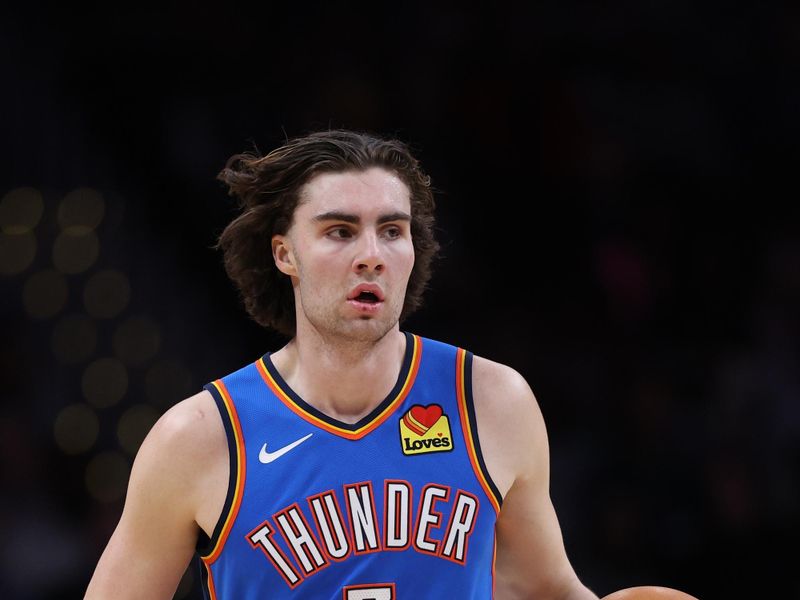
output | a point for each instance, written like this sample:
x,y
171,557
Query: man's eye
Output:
x,y
340,232
393,232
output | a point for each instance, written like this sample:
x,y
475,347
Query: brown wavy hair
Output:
x,y
268,189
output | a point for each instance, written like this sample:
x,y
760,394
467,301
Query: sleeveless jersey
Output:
x,y
396,506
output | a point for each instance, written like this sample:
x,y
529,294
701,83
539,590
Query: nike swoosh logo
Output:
x,y
267,457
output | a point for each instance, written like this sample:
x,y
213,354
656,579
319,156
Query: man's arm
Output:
x,y
173,485
531,558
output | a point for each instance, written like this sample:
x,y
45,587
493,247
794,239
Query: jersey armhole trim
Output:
x,y
469,425
210,551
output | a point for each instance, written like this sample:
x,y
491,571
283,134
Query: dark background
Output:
x,y
617,209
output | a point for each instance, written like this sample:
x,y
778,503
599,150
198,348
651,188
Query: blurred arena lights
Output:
x,y
106,294
45,294
74,339
134,425
76,428
136,340
104,382
17,251
21,210
75,252
81,211
167,382
76,248
106,476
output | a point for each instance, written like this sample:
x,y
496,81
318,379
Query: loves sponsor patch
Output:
x,y
425,429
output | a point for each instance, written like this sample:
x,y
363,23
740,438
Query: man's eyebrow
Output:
x,y
335,215
395,216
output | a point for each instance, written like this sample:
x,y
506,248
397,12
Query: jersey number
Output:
x,y
374,591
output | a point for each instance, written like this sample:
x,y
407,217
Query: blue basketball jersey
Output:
x,y
396,506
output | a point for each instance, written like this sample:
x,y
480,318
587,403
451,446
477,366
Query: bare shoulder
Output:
x,y
177,484
501,391
496,379
186,454
511,428
192,427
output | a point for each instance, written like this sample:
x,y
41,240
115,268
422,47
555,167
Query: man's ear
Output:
x,y
283,256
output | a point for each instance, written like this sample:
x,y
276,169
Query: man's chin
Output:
x,y
367,329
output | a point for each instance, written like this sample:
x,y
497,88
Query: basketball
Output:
x,y
649,592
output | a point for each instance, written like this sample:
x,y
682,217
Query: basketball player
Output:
x,y
359,461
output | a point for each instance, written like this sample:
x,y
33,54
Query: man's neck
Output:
x,y
343,379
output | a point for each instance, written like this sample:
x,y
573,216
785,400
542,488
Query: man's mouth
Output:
x,y
367,297
366,293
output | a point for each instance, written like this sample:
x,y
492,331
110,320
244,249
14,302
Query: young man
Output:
x,y
358,461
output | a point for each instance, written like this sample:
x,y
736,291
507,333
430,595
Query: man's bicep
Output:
x,y
531,558
156,535
134,566
530,550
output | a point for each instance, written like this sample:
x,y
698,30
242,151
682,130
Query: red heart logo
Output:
x,y
426,415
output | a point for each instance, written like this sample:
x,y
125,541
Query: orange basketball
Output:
x,y
649,592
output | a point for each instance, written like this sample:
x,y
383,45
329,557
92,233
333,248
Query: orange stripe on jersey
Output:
x,y
240,476
212,592
469,434
355,434
494,561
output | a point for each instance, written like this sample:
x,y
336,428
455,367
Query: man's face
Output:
x,y
349,253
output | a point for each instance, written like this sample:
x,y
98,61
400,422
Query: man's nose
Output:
x,y
368,256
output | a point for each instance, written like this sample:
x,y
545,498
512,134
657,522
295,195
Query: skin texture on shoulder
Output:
x,y
531,558
177,487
